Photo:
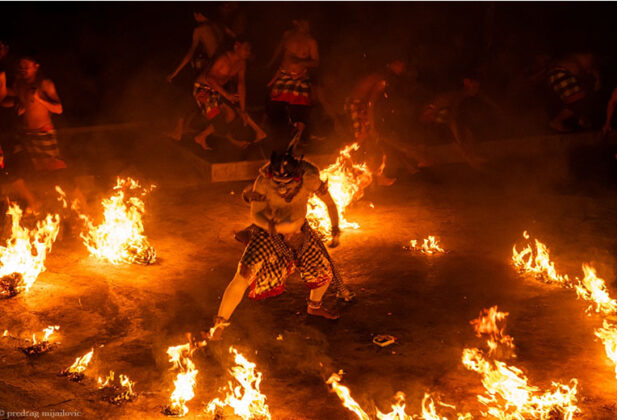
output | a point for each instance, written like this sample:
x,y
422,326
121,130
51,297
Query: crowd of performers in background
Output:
x,y
218,56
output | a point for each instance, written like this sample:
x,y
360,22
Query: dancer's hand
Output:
x,y
272,227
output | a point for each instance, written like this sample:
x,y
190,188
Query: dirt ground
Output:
x,y
131,314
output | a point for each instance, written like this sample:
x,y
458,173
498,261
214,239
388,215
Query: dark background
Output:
x,y
109,60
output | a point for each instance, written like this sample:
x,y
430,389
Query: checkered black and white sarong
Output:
x,y
294,89
42,149
565,85
208,100
269,261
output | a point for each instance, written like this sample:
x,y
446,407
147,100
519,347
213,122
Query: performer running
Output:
x,y
281,239
291,85
217,104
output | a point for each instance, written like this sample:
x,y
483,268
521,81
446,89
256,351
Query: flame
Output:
x,y
608,335
429,246
429,410
486,324
509,396
593,289
539,265
185,381
26,250
80,364
245,399
108,380
48,332
125,382
507,392
345,395
120,237
346,183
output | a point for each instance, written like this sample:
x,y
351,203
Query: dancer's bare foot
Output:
x,y
201,140
316,309
259,136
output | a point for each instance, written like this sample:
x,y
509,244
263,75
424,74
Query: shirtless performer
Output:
x,y
207,38
218,105
291,85
37,149
359,108
282,240
572,79
445,109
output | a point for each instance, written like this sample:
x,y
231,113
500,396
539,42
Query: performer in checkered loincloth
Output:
x,y
290,88
572,79
281,241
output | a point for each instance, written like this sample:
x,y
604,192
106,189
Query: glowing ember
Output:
x,y
608,335
345,395
22,259
42,346
117,393
486,324
346,183
429,246
245,399
593,289
536,260
120,237
185,381
75,372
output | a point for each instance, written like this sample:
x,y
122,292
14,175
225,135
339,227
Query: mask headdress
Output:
x,y
284,167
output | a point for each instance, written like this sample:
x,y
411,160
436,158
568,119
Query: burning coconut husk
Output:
x,y
534,259
42,346
118,391
120,238
347,181
243,398
429,246
22,259
75,372
508,394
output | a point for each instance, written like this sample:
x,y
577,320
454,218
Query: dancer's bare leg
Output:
x,y
315,307
201,138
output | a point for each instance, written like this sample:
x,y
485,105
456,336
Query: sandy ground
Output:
x,y
131,314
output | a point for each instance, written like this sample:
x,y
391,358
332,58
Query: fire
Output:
x,y
346,183
429,410
123,392
508,394
608,335
120,237
245,399
486,324
430,246
593,289
22,259
537,261
345,395
48,332
75,372
185,381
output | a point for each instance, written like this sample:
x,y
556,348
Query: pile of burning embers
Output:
x,y
119,238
